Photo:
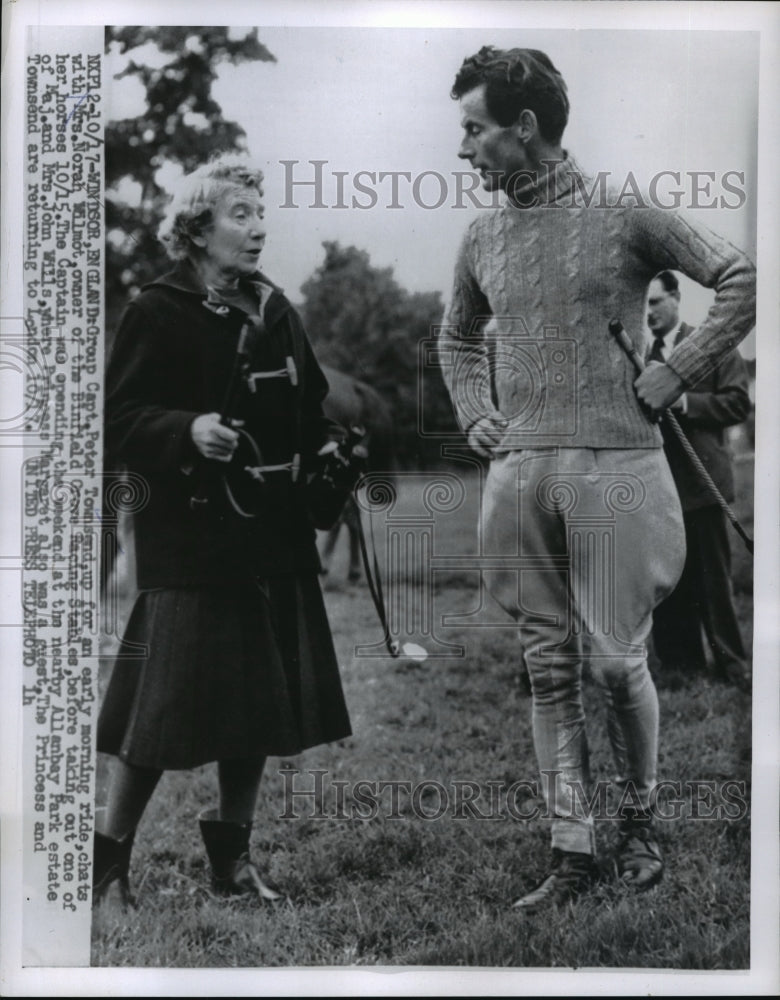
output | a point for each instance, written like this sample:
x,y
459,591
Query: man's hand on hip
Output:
x,y
487,432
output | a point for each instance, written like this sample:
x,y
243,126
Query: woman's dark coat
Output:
x,y
172,360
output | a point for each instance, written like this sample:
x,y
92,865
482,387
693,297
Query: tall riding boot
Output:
x,y
111,864
227,845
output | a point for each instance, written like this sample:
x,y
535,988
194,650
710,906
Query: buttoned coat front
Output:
x,y
227,653
172,360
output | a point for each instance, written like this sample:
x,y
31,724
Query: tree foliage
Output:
x,y
181,124
363,322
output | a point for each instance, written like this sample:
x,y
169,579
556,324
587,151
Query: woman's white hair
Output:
x,y
191,210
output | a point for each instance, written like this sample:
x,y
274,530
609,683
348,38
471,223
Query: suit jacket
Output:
x,y
718,401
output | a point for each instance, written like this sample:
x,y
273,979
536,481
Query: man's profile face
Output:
x,y
492,149
663,308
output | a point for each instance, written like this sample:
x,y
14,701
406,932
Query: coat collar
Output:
x,y
682,333
184,277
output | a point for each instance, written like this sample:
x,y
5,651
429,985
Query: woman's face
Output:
x,y
234,241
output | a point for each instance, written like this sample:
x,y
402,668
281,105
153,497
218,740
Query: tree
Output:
x,y
182,124
363,322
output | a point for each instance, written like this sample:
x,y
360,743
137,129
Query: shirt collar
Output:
x,y
671,336
668,339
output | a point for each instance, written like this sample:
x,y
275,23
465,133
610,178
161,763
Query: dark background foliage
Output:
x,y
137,147
364,323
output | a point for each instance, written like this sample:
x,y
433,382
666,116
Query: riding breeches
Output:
x,y
589,540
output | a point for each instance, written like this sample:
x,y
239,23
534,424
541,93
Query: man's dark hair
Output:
x,y
517,79
669,280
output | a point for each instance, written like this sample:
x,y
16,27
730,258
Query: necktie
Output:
x,y
657,350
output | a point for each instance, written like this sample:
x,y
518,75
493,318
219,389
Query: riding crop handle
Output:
x,y
618,331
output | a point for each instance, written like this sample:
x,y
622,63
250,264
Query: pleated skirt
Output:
x,y
207,674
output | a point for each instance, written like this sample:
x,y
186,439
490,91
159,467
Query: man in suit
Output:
x,y
703,597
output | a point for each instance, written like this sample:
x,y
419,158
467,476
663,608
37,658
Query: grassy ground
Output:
x,y
402,889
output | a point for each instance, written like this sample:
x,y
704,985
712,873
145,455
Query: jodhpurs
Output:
x,y
593,540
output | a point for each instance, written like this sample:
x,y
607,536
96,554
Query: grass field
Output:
x,y
404,888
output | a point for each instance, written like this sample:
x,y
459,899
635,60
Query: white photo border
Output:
x,y
763,976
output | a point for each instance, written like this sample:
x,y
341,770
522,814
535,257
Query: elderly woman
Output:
x,y
236,659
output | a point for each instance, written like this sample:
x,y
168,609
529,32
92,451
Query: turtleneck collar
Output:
x,y
552,183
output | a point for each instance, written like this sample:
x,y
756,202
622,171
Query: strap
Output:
x,y
374,578
706,478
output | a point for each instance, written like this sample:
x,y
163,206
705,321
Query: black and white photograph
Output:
x,y
390,539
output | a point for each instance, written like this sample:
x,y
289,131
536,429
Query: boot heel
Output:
x,y
227,847
111,866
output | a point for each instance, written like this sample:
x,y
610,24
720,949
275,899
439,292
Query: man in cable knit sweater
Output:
x,y
580,511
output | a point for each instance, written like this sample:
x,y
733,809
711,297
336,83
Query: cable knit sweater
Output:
x,y
526,331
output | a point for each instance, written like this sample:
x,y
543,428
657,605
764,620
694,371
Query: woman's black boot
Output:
x,y
111,865
227,845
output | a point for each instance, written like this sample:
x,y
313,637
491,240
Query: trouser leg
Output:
x,y
352,521
599,540
677,621
711,555
537,595
632,727
645,546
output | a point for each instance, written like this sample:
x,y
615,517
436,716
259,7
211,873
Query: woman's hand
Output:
x,y
213,439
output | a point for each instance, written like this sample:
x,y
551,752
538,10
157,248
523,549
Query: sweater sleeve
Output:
x,y
671,241
462,347
141,430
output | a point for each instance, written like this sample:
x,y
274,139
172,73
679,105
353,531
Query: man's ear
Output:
x,y
527,126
